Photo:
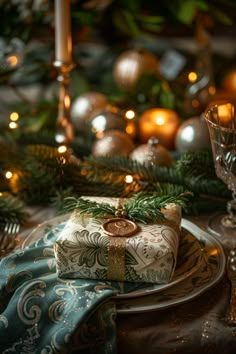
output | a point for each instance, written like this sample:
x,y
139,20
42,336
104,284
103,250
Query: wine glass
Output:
x,y
221,121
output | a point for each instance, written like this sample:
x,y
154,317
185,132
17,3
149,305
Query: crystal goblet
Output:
x,y
221,121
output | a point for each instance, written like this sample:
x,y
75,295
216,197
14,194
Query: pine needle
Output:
x,y
142,207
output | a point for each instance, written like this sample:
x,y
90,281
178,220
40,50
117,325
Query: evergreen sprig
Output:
x,y
90,207
147,208
142,207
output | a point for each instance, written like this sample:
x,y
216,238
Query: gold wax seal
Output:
x,y
120,227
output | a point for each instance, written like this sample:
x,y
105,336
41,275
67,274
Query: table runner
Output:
x,y
40,313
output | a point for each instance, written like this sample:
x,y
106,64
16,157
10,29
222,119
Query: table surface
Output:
x,y
196,326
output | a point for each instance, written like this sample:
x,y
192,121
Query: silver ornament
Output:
x,y
152,153
113,142
192,135
83,107
131,65
110,118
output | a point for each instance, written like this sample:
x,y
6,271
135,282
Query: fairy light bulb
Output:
x,y
62,149
192,76
130,114
14,116
12,60
13,125
8,174
129,179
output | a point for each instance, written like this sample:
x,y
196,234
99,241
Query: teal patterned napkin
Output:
x,y
41,313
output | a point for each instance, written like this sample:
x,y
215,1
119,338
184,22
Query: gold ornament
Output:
x,y
152,154
229,82
83,107
131,65
160,122
113,142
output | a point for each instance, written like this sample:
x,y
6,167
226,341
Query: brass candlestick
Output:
x,y
64,128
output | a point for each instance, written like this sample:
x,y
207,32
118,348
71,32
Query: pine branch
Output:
x,y
89,207
146,208
142,207
196,163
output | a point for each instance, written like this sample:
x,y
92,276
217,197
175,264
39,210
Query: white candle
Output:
x,y
63,43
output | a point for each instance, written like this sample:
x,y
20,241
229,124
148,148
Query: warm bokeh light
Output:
x,y
214,252
212,90
225,112
12,60
130,114
131,129
13,125
129,179
61,149
195,103
160,120
8,174
229,82
192,76
67,101
161,123
14,116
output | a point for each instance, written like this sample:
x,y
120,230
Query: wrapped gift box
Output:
x,y
84,250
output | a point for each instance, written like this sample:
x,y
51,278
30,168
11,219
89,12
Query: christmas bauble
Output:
x,y
160,122
229,81
83,107
131,65
110,118
113,142
152,153
192,135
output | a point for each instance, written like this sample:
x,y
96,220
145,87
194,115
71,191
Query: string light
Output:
x,y
192,76
13,125
8,174
129,179
14,116
12,60
130,114
62,149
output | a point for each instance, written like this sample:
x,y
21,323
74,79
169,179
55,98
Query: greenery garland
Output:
x,y
42,175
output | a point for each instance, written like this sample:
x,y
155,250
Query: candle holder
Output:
x,y
64,128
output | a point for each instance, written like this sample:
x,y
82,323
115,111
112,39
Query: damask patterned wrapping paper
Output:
x,y
83,250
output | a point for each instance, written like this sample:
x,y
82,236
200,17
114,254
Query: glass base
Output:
x,y
220,226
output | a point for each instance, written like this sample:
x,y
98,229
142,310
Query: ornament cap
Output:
x,y
153,141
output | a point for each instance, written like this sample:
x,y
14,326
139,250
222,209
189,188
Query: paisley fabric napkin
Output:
x,y
84,250
40,313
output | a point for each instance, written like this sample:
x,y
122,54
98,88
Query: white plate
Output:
x,y
209,274
189,260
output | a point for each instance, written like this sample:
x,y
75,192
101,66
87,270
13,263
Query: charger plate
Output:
x,y
200,265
